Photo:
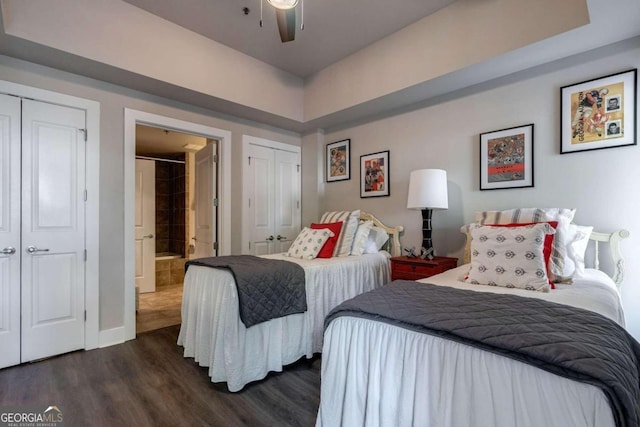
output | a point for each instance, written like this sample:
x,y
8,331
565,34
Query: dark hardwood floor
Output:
x,y
147,382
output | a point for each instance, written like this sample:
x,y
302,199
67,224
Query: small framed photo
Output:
x,y
599,113
374,174
506,158
338,161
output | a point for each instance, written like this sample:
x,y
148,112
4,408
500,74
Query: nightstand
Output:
x,y
406,268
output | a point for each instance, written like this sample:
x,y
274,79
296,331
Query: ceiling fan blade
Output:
x,y
286,24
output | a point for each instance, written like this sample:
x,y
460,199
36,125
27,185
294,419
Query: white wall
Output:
x,y
113,100
601,184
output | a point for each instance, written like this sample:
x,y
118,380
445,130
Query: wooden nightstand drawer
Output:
x,y
415,268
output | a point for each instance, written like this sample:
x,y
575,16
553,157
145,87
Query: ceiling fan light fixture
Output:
x,y
283,4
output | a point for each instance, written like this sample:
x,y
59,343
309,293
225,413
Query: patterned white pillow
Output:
x,y
509,256
309,242
359,241
349,227
527,215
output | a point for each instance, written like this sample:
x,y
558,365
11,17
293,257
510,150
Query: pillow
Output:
x,y
329,246
349,226
512,257
376,240
360,240
547,247
309,243
529,215
579,236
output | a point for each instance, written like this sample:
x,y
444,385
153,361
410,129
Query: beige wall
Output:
x,y
113,100
465,33
601,184
116,33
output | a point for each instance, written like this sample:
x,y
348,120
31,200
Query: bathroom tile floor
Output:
x,y
159,309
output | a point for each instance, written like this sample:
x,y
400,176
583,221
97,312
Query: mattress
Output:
x,y
213,334
376,374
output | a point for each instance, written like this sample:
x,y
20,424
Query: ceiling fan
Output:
x,y
286,17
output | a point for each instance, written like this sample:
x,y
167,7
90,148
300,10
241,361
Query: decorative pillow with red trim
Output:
x,y
548,244
511,257
330,245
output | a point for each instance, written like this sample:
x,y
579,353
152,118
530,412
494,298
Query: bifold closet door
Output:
x,y
273,193
9,230
53,229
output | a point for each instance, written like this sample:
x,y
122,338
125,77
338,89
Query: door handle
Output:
x,y
148,236
33,250
9,250
270,238
281,237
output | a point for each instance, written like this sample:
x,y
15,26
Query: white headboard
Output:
x,y
394,233
615,255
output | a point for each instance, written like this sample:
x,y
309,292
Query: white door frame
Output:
x,y
131,118
92,206
246,140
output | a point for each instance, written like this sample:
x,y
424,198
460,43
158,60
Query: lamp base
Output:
x,y
427,244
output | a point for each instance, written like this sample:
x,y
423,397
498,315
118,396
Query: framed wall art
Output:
x,y
338,161
599,113
506,158
374,174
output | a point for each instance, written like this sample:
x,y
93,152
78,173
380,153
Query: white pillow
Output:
x,y
579,235
309,242
359,242
349,227
376,240
512,257
526,215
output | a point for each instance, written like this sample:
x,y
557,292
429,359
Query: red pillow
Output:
x,y
548,242
327,249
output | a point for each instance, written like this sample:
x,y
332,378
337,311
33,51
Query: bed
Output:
x,y
380,374
214,335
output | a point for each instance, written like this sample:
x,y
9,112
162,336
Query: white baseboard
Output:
x,y
112,336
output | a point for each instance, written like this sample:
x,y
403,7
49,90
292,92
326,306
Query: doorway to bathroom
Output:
x,y
175,217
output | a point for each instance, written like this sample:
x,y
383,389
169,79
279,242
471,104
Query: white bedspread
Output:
x,y
376,374
214,335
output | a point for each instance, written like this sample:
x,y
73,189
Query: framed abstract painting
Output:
x,y
506,158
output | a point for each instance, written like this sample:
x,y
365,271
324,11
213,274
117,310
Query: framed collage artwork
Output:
x,y
374,174
506,158
338,161
599,113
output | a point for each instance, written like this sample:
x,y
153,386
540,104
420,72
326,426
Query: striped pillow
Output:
x,y
527,215
349,227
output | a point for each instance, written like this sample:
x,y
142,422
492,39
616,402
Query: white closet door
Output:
x,y
205,192
53,229
145,228
261,199
9,230
287,199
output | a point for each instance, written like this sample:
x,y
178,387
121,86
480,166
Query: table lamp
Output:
x,y
427,191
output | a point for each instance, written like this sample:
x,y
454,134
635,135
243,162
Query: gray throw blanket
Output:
x,y
571,342
267,288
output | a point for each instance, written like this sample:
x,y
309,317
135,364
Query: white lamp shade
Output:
x,y
283,4
428,189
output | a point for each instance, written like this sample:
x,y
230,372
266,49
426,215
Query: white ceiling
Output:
x,y
333,29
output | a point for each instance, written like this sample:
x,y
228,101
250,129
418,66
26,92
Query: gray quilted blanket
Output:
x,y
267,288
567,341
